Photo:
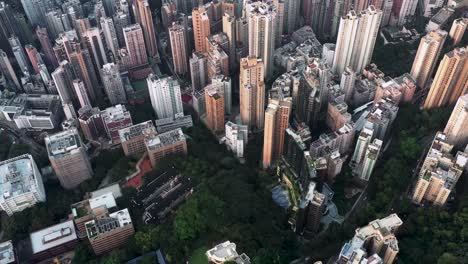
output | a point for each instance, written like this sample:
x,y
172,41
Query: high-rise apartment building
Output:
x,y
214,101
113,84
252,92
35,11
236,138
81,93
91,123
276,121
450,81
135,43
356,39
21,172
96,47
171,143
229,28
456,129
19,54
7,69
374,243
165,96
426,57
177,37
224,87
262,22
144,17
109,231
110,35
34,57
201,28
363,141
310,211
63,77
198,71
458,30
365,169
121,20
403,11
114,119
68,157
439,173
82,65
133,138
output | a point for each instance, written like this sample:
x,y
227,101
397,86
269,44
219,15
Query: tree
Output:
x,y
447,258
82,254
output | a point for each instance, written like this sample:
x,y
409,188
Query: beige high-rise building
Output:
x,y
457,125
214,101
252,92
262,30
276,121
144,17
229,27
451,80
439,173
68,157
178,46
201,28
135,43
458,30
426,57
356,39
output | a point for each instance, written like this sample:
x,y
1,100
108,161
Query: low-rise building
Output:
x,y
33,111
178,121
439,20
163,194
225,252
110,231
21,184
133,138
7,253
53,241
166,144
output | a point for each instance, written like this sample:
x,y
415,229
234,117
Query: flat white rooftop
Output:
x,y
7,254
53,236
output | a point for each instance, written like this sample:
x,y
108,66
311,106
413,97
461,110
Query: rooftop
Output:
x,y
53,236
115,113
165,139
145,128
63,142
17,176
7,253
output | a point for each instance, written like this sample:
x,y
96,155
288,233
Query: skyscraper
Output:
x,y
46,45
252,92
7,69
165,96
35,11
356,39
310,211
68,157
426,57
276,121
96,47
262,22
198,71
178,48
81,93
113,84
403,10
451,80
135,44
201,28
229,27
19,53
369,159
63,77
214,109
121,20
291,11
458,30
456,129
110,35
363,141
34,57
143,16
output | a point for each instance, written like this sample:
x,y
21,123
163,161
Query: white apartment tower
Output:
x,y
165,96
113,84
356,39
